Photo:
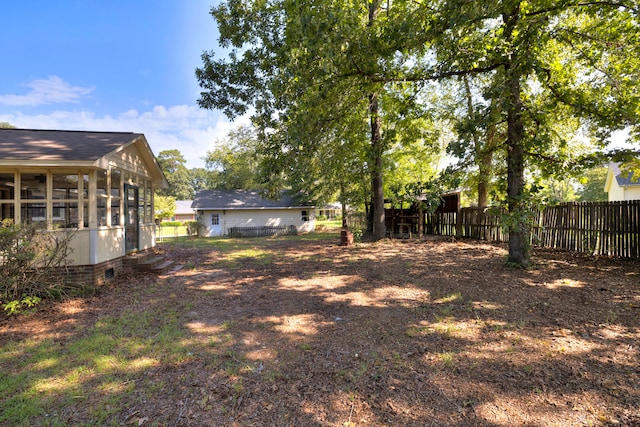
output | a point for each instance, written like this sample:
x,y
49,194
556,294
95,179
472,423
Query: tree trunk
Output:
x,y
343,204
377,190
519,251
483,153
485,168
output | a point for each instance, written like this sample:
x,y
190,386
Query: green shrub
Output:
x,y
193,227
170,223
30,261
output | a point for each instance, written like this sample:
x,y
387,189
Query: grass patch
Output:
x,y
227,245
328,224
105,360
237,251
233,259
447,358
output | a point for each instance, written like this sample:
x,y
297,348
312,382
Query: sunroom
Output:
x,y
99,184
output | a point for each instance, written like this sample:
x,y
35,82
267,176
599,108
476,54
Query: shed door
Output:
x,y
216,228
131,228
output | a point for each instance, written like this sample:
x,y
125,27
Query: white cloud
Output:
x,y
52,90
190,129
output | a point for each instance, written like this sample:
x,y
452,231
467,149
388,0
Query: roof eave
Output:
x,y
50,163
158,178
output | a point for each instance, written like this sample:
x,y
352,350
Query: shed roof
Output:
x,y
239,199
37,147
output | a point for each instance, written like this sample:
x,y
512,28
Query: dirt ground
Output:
x,y
428,332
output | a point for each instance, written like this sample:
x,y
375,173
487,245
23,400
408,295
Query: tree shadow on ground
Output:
x,y
315,334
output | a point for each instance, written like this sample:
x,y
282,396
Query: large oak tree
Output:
x,y
300,65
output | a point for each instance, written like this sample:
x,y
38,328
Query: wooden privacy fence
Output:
x,y
599,228
263,231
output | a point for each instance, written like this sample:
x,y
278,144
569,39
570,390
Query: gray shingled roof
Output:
x,y
238,199
624,179
32,144
184,207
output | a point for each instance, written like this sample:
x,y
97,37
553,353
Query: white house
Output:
x,y
621,185
220,210
99,184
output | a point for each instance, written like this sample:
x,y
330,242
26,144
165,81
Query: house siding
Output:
x,y
632,193
129,160
617,192
81,248
147,236
258,218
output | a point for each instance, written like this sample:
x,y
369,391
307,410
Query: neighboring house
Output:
x,y
330,211
621,185
100,184
219,210
184,212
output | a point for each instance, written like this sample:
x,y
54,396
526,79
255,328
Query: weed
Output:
x,y
221,339
227,324
445,311
417,331
305,347
271,376
362,369
448,329
611,317
24,306
238,387
234,365
447,358
456,296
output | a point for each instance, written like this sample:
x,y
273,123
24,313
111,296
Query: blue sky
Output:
x,y
110,66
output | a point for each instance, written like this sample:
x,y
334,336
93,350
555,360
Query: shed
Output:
x,y
220,210
100,184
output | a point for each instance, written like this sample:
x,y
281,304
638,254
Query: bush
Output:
x,y
321,217
28,256
170,223
193,228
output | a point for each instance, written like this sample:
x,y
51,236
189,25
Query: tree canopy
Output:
x,y
234,163
319,75
173,164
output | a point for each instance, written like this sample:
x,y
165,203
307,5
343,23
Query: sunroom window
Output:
x,y
65,212
33,194
7,194
102,195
